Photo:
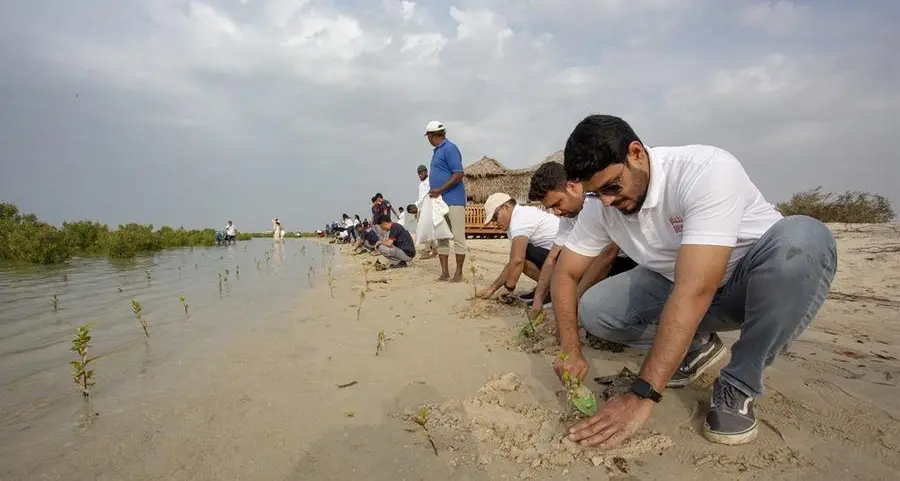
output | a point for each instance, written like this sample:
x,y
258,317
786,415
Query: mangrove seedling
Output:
x,y
220,281
237,272
121,289
422,420
147,272
183,304
309,275
54,301
330,281
362,297
577,394
531,326
380,347
80,373
366,269
472,269
65,277
227,272
137,308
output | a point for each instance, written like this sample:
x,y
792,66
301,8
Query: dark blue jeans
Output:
x,y
772,296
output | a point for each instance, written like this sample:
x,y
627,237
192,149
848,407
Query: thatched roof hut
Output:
x,y
487,176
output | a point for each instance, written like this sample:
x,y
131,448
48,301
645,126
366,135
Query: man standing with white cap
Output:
x,y
446,180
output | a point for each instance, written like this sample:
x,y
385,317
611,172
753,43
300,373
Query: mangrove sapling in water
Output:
x,y
237,272
184,304
422,420
147,273
309,275
80,373
220,281
330,281
137,308
54,301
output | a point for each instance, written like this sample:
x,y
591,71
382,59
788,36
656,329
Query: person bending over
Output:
x,y
398,247
531,232
566,199
368,238
713,255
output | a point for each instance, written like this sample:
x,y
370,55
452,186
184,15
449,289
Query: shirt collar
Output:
x,y
441,144
657,181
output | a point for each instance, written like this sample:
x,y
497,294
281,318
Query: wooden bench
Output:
x,y
475,227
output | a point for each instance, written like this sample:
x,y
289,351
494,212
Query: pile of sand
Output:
x,y
504,421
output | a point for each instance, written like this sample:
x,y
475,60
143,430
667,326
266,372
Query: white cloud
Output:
x,y
347,89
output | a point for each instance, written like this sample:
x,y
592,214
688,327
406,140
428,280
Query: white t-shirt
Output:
x,y
229,229
538,225
401,219
698,194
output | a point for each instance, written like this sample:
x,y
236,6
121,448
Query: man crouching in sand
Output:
x,y
713,255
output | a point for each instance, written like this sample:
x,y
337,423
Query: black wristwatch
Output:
x,y
644,390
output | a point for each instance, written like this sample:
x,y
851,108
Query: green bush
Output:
x,y
25,238
851,207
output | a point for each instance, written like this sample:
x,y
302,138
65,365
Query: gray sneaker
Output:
x,y
730,419
698,361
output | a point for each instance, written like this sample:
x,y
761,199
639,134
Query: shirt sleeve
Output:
x,y
714,201
522,228
453,157
589,236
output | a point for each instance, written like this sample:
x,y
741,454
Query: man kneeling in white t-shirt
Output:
x,y
531,232
566,199
713,255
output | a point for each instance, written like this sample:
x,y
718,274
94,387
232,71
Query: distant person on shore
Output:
x,y
277,231
566,199
367,238
531,232
398,248
230,233
401,216
424,190
713,255
412,221
446,180
380,207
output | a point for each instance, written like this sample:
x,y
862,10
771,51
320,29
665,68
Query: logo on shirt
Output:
x,y
677,223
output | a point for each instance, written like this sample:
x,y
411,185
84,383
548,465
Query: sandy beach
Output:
x,y
268,406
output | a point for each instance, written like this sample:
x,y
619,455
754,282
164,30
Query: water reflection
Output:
x,y
35,338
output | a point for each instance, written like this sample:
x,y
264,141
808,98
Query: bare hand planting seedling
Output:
x,y
80,373
576,393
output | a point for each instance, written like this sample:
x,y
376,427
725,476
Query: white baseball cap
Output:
x,y
434,126
493,202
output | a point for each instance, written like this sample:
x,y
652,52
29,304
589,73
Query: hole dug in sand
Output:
x,y
503,420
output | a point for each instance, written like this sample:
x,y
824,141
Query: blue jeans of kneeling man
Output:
x,y
773,294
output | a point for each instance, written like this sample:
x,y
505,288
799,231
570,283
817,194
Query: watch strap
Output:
x,y
644,390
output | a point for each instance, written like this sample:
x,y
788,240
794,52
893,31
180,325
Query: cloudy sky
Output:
x,y
190,113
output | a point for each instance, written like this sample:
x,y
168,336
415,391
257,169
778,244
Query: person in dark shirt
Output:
x,y
368,238
399,247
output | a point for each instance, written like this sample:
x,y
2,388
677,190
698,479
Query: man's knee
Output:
x,y
803,246
598,313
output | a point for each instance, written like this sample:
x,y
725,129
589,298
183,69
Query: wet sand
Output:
x,y
263,402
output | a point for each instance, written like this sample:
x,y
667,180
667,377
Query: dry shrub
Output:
x,y
851,207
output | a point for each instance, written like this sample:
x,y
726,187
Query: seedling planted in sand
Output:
x,y
576,393
309,275
54,301
184,304
82,376
381,338
531,326
422,420
137,308
362,297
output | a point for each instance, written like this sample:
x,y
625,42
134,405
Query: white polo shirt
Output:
x,y
538,225
698,194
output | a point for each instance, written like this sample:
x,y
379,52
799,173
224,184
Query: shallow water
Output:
x,y
261,281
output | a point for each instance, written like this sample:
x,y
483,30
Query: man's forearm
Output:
x,y
677,325
543,284
565,308
513,272
598,269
